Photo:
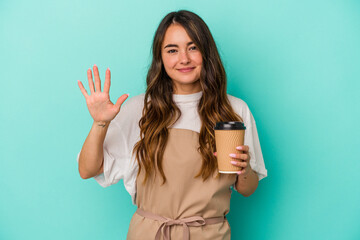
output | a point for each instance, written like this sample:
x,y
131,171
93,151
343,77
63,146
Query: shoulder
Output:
x,y
239,106
131,109
133,104
136,101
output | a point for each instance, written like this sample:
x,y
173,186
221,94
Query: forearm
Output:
x,y
247,184
91,155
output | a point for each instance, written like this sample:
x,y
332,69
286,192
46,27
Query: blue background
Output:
x,y
295,63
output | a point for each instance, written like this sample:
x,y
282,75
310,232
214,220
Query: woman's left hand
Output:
x,y
242,159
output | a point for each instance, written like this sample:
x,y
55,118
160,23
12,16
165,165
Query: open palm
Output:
x,y
99,104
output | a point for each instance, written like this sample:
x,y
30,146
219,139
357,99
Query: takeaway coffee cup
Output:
x,y
228,135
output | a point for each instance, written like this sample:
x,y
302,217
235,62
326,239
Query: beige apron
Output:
x,y
182,198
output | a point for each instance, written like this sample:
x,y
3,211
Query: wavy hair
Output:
x,y
160,111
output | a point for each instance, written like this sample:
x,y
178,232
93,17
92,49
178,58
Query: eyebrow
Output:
x,y
175,45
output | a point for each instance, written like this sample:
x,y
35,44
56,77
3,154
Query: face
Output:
x,y
182,60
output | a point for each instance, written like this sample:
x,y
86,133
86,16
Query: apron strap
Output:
x,y
166,223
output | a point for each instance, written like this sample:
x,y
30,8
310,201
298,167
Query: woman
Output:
x,y
162,143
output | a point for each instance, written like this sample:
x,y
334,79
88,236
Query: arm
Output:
x,y
247,184
91,156
247,180
103,111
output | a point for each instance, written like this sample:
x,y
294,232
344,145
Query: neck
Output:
x,y
183,89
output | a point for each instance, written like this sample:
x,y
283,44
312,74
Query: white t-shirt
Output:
x,y
124,132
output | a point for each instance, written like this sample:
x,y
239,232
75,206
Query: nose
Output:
x,y
184,58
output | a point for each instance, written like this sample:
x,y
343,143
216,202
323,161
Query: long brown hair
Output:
x,y
160,111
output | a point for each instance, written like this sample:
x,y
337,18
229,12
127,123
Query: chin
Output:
x,y
186,81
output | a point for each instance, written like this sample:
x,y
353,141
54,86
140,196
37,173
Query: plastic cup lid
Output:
x,y
229,126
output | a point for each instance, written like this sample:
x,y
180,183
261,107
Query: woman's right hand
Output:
x,y
101,109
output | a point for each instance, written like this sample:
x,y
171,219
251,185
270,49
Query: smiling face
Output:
x,y
182,60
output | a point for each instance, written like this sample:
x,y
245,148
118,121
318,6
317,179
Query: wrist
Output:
x,y
247,183
245,174
102,124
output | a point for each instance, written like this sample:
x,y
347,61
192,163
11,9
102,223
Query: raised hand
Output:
x,y
101,109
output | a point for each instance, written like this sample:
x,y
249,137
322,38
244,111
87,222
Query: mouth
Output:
x,y
185,70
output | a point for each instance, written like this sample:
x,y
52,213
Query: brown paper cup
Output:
x,y
226,143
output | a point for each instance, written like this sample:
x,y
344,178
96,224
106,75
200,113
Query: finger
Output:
x,y
82,89
215,154
241,156
239,164
120,100
107,81
242,171
97,79
90,80
244,148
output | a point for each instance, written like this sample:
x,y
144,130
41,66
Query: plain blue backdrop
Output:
x,y
295,63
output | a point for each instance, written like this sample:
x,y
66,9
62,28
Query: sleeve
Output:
x,y
116,157
251,139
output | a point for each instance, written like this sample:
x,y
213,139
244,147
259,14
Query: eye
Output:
x,y
193,48
171,51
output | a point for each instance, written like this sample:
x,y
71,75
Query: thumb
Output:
x,y
121,100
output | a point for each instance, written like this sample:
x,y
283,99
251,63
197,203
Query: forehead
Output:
x,y
176,34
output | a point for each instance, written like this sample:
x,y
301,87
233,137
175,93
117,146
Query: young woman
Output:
x,y
162,143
